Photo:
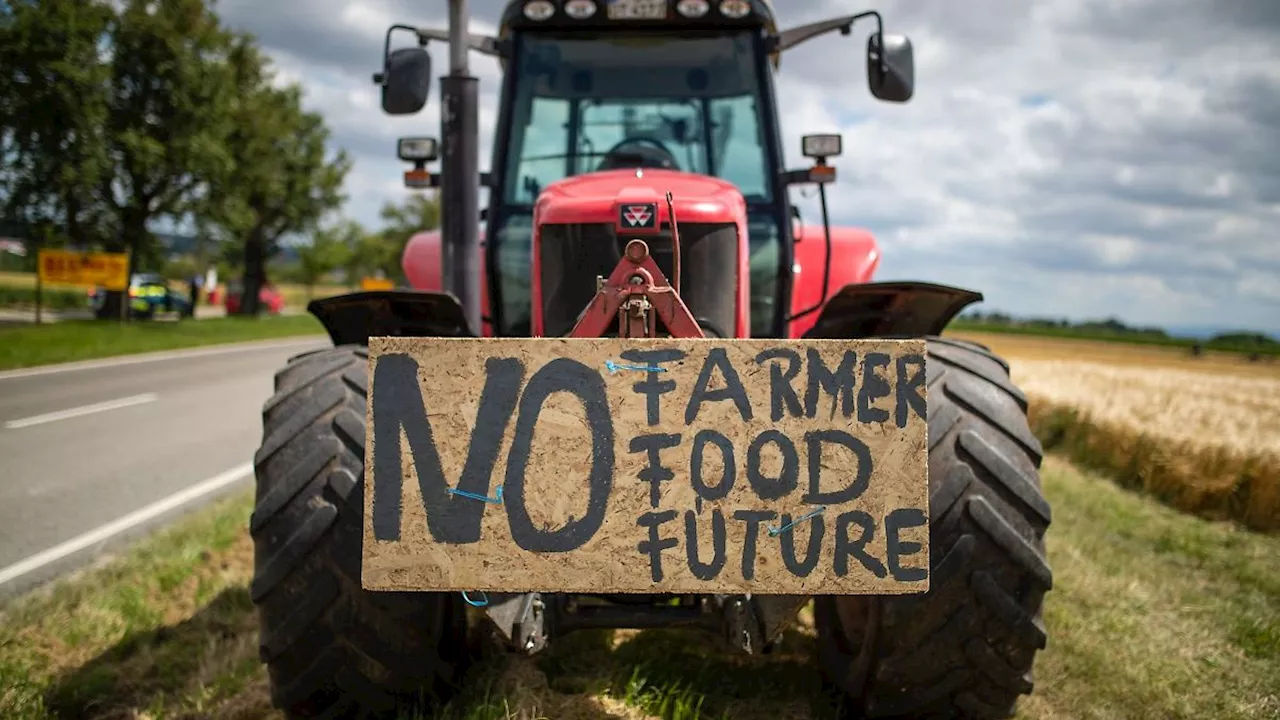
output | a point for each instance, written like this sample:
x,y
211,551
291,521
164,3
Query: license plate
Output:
x,y
637,9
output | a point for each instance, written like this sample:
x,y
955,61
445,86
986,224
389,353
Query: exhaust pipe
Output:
x,y
460,174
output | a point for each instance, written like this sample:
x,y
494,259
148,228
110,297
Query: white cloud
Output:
x,y
1080,158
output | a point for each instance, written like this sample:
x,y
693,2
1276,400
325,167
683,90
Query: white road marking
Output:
x,y
221,349
133,519
82,410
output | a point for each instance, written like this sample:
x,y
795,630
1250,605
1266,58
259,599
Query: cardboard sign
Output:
x,y
646,466
90,269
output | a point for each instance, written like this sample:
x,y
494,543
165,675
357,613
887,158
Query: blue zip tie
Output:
x,y
476,603
497,500
774,532
615,367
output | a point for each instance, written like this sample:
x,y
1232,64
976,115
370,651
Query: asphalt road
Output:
x,y
94,457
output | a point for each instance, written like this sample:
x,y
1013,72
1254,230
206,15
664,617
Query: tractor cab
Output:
x,y
644,106
603,99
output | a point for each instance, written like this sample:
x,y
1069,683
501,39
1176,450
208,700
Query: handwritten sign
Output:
x,y
69,267
666,465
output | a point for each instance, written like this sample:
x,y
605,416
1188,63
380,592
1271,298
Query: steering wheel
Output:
x,y
657,155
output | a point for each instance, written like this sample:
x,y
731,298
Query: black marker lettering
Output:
x,y
655,544
812,552
398,403
838,384
857,548
815,439
651,386
897,521
701,570
874,387
767,488
561,375
909,388
752,518
727,476
780,389
655,473
733,390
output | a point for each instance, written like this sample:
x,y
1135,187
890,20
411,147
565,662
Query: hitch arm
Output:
x,y
631,295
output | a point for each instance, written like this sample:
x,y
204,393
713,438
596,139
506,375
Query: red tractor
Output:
x,y
639,190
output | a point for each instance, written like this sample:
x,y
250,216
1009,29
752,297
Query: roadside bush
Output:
x,y
59,299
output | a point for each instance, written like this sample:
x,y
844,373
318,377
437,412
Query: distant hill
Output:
x,y
1212,338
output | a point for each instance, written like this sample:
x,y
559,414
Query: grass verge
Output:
x,y
30,345
1154,614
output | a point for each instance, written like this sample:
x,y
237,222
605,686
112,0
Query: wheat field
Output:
x,y
1201,433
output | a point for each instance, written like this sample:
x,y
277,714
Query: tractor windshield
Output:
x,y
686,102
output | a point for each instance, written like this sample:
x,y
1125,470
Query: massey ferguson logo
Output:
x,y
639,216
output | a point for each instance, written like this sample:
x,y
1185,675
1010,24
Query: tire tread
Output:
x,y
332,648
966,647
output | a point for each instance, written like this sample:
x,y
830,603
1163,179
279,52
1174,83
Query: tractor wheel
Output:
x,y
332,648
966,648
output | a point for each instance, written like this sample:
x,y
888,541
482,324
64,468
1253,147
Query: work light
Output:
x,y
417,149
735,9
539,10
693,8
580,9
820,146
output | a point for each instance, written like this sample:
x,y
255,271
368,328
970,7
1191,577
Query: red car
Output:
x,y
270,299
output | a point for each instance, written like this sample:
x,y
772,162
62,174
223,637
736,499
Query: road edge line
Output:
x,y
119,525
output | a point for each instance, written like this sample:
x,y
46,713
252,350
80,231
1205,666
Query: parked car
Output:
x,y
269,298
149,294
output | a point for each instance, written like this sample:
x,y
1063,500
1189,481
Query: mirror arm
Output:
x,y
788,39
483,44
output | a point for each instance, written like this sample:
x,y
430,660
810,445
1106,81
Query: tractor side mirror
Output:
x,y
891,72
406,81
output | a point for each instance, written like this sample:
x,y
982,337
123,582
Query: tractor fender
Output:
x,y
904,308
353,318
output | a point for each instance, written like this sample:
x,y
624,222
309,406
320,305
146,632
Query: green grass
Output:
x,y
1154,614
30,345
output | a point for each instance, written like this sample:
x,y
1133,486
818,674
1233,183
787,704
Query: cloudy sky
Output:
x,y
1080,158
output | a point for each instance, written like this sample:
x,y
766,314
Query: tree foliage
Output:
x,y
53,107
117,113
330,249
280,181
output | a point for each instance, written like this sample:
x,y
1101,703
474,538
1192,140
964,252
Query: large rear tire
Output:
x,y
965,648
332,648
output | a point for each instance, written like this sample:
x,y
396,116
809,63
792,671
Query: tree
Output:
x,y
328,250
280,181
168,121
418,213
367,253
53,107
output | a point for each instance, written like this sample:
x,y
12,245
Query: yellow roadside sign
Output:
x,y
93,269
373,283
